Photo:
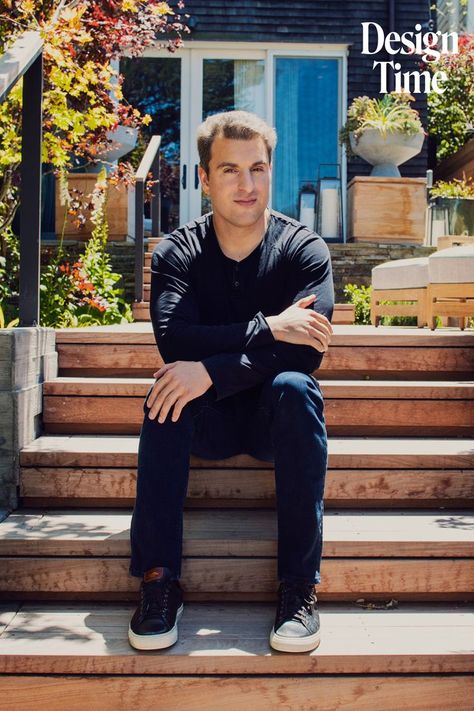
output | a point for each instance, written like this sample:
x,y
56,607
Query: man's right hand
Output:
x,y
300,325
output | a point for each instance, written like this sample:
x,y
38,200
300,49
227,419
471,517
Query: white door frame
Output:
x,y
192,56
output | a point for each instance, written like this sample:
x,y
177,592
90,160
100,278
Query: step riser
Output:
x,y
230,487
142,360
124,415
358,693
213,578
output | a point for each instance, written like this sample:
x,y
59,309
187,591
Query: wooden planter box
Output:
x,y
117,209
387,210
459,165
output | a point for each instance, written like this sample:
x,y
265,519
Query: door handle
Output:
x,y
196,177
183,179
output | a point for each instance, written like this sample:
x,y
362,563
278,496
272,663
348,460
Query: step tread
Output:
x,y
350,452
349,335
339,389
105,532
231,638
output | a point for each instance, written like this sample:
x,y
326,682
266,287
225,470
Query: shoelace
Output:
x,y
155,598
295,602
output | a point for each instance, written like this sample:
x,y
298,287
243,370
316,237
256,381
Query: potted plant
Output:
x,y
385,132
454,200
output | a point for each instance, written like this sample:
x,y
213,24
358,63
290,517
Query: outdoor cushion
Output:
x,y
401,274
454,265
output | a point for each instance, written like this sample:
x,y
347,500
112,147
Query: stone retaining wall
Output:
x,y
352,262
27,358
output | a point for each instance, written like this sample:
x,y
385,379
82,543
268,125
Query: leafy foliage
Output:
x,y
83,103
9,274
3,322
84,293
453,188
390,114
360,297
451,114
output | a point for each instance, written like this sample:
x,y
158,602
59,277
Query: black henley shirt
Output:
x,y
207,307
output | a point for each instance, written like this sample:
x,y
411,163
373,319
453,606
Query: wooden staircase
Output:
x,y
397,592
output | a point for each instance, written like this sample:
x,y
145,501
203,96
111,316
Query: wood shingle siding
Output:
x,y
316,21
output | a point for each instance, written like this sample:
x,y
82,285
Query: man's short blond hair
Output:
x,y
241,125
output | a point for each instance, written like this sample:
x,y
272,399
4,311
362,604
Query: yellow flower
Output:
x,y
129,5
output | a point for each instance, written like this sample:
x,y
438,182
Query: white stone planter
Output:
x,y
124,140
387,152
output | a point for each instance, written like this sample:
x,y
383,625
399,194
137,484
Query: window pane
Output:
x,y
153,85
306,111
230,84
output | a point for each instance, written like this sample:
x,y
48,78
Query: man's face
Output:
x,y
239,180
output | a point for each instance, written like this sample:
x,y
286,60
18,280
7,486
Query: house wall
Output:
x,y
317,21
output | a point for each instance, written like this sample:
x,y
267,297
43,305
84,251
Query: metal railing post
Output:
x,y
30,200
139,235
149,162
156,199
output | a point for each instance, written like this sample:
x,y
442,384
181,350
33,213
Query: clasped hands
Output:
x,y
182,381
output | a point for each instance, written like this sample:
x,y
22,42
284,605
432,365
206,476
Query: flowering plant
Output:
x,y
451,114
85,293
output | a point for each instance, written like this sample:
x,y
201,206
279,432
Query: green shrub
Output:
x,y
451,114
453,188
9,274
360,297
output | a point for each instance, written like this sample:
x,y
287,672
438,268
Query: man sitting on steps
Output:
x,y
241,303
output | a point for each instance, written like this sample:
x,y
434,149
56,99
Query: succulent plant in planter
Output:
x,y
385,132
455,199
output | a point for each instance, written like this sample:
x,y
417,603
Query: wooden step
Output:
x,y
343,453
222,578
408,556
339,362
232,638
224,488
355,351
151,243
191,693
375,408
343,313
101,471
242,533
77,656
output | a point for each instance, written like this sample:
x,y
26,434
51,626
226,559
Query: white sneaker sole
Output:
x,y
294,644
156,641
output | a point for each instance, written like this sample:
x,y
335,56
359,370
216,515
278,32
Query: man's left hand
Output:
x,y
177,383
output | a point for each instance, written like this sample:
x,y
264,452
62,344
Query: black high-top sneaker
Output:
x,y
155,622
296,627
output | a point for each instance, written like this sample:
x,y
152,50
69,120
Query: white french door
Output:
x,y
213,80
299,89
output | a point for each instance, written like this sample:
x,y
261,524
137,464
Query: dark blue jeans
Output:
x,y
281,421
